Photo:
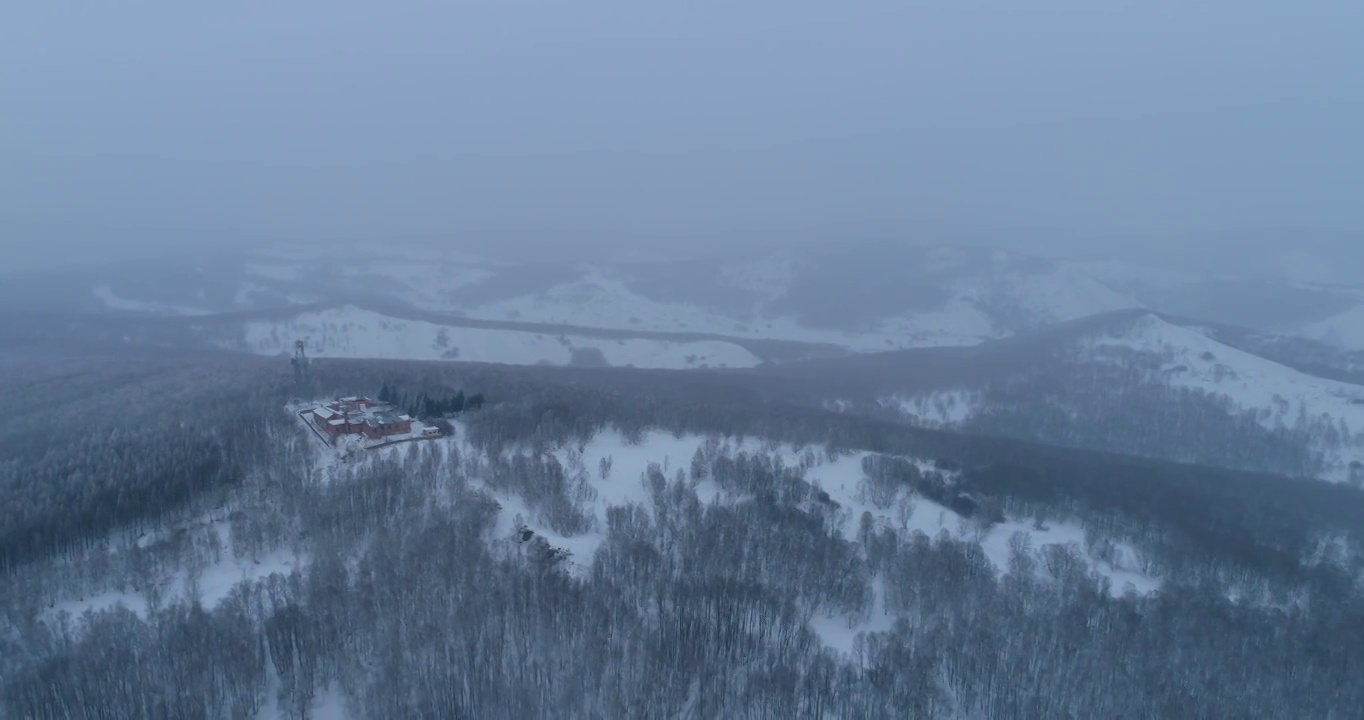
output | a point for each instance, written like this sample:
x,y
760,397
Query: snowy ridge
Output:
x,y
1056,296
600,300
1279,396
350,332
902,296
1324,417
976,308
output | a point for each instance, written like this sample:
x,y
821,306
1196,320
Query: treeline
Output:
x,y
428,404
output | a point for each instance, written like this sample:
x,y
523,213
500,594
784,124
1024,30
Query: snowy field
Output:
x,y
210,584
350,332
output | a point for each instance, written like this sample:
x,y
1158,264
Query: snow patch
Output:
x,y
210,585
839,634
942,409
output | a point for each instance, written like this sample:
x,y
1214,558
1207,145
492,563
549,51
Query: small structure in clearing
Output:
x,y
363,416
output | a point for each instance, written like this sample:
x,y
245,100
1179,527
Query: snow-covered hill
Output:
x,y
861,297
349,332
1278,396
1154,359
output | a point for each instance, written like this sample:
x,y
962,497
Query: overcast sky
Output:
x,y
706,124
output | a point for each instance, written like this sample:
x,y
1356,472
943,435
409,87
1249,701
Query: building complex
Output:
x,y
361,416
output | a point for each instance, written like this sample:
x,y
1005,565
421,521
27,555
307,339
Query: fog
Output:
x,y
1054,126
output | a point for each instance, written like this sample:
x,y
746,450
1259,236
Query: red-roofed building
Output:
x,y
361,416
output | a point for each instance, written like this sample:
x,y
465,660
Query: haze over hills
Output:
x,y
1085,354
981,340
861,298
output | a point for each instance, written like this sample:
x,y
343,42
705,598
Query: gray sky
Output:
x,y
617,123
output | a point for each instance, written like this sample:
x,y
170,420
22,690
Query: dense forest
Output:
x,y
408,596
1119,401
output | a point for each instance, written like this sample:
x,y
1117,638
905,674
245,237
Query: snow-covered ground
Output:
x,y
211,584
842,478
941,409
1279,395
328,704
350,332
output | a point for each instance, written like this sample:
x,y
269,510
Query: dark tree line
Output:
x,y
424,404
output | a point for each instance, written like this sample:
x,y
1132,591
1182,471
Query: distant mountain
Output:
x,y
854,298
864,298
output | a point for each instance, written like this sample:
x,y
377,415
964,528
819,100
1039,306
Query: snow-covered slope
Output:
x,y
349,332
842,478
1056,381
1279,396
611,470
901,298
229,566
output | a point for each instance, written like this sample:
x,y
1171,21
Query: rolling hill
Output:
x,y
1134,382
